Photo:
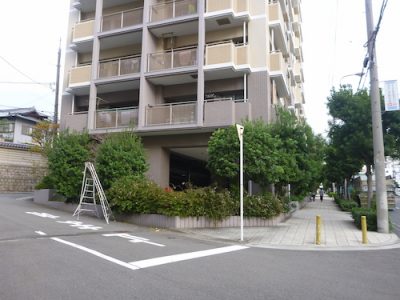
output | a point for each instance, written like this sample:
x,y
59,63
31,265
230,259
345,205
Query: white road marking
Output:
x,y
96,253
134,239
80,225
141,264
42,215
184,256
40,232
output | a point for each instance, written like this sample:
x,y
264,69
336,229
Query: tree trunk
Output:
x,y
369,184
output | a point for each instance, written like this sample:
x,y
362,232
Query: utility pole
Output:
x,y
377,133
55,121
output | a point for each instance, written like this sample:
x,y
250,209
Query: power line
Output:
x,y
22,73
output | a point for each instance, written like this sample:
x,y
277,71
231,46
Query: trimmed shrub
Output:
x,y
120,154
357,212
66,162
347,205
135,195
263,206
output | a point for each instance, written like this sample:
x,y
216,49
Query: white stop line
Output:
x,y
141,264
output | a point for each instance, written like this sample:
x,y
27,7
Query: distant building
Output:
x,y
16,125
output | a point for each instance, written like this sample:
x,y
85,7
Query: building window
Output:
x,y
26,129
7,131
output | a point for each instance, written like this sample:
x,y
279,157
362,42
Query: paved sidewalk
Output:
x,y
298,232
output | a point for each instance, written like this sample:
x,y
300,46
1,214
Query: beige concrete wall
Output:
x,y
134,49
119,8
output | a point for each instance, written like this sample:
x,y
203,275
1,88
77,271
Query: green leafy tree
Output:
x,y
350,133
261,154
119,155
66,162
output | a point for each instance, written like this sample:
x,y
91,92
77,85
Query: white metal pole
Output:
x,y
241,188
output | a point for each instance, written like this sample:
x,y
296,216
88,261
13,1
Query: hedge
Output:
x,y
357,212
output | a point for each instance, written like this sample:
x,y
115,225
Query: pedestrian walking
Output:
x,y
321,194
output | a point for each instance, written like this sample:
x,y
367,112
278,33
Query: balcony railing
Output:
x,y
227,52
122,19
225,111
235,5
117,117
277,62
119,67
173,9
83,30
77,121
171,114
80,75
175,58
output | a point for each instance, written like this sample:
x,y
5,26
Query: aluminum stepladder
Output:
x,y
90,185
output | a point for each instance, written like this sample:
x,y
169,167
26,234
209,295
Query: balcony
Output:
x,y
172,59
226,53
237,6
225,112
180,113
83,31
297,25
278,27
278,73
173,9
298,95
122,19
77,121
298,73
119,67
80,76
116,118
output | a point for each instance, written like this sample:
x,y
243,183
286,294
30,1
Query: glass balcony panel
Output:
x,y
162,12
130,65
132,17
183,114
117,117
127,118
183,8
109,69
106,119
160,61
111,22
171,114
184,58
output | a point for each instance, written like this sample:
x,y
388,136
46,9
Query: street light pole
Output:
x,y
240,130
377,133
354,74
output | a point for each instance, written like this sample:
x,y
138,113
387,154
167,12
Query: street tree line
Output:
x,y
350,143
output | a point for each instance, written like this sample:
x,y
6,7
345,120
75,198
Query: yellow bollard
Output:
x,y
364,229
318,231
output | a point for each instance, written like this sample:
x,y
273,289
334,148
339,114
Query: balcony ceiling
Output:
x,y
199,153
281,85
121,40
118,86
90,5
79,90
228,19
173,79
84,46
225,73
174,28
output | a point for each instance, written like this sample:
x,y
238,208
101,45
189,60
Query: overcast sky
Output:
x,y
334,34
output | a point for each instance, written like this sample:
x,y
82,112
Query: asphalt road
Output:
x,y
46,254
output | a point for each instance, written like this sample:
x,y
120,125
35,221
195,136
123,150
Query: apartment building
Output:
x,y
175,71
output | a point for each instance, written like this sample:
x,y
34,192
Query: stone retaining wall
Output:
x,y
20,169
